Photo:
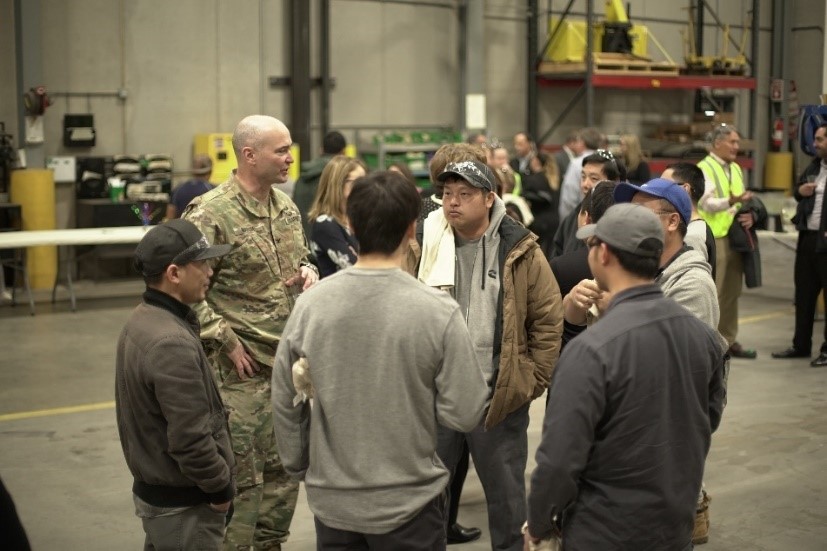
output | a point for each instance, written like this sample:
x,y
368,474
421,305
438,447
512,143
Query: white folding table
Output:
x,y
69,237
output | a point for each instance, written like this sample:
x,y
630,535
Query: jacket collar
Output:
x,y
646,291
718,160
154,297
253,205
671,260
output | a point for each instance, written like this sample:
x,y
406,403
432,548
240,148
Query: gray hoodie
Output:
x,y
687,279
480,283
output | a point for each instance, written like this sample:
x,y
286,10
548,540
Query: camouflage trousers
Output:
x,y
265,496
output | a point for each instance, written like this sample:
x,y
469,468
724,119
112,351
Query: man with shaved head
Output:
x,y
252,292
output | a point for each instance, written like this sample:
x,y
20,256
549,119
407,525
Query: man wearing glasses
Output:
x,y
633,405
494,268
684,275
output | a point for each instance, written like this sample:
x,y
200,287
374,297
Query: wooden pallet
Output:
x,y
612,64
717,71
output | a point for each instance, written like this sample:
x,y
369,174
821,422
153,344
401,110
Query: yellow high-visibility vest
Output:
x,y
719,222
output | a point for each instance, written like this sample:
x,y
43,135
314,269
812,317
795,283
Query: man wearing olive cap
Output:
x,y
171,422
494,268
633,403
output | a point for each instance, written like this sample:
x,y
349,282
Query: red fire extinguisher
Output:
x,y
777,133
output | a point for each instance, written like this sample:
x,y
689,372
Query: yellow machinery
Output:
x,y
616,34
735,65
219,148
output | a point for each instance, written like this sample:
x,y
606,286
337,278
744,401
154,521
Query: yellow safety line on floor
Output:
x,y
56,411
767,316
110,405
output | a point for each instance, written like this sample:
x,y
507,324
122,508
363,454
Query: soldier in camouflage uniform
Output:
x,y
253,290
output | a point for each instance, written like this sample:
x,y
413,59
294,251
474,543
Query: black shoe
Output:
x,y
460,534
791,352
821,361
738,351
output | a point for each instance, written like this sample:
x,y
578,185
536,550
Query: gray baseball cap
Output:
x,y
628,227
473,172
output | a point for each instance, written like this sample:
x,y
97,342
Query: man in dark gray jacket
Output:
x,y
633,404
171,422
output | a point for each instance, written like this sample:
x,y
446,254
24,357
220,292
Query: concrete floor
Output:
x,y
61,460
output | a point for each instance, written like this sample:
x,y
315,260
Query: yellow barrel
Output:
x,y
778,171
34,191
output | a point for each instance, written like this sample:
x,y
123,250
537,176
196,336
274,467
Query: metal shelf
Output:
x,y
385,148
589,80
646,82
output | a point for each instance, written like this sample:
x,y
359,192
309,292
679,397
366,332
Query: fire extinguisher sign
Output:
x,y
777,90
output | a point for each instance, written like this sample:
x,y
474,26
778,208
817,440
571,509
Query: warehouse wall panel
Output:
x,y
194,66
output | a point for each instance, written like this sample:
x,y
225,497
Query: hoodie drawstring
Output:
x,y
484,264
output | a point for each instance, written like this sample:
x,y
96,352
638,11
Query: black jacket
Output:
x,y
632,407
807,204
746,241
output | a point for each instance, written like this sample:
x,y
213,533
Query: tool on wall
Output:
x,y
35,101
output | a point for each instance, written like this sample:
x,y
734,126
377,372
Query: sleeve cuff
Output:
x,y
226,494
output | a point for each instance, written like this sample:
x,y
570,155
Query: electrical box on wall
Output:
x,y
78,130
63,167
219,148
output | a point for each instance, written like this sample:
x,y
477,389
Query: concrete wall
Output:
x,y
8,76
193,66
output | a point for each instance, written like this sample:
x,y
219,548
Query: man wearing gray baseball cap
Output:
x,y
632,407
171,422
494,268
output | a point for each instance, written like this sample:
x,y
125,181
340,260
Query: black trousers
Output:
x,y
810,279
424,532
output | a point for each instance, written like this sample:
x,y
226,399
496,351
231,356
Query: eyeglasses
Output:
x,y
665,212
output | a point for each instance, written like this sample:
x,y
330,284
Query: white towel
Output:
x,y
438,262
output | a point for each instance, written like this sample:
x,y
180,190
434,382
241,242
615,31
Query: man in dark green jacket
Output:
x,y
171,422
304,193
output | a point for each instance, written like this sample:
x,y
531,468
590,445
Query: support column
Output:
x,y
29,70
589,63
472,62
531,83
324,67
754,132
300,75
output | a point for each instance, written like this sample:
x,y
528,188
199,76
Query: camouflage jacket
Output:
x,y
248,300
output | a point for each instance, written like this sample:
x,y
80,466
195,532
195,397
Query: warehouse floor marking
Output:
x,y
56,411
109,405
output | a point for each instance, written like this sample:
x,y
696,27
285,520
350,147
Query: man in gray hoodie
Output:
x,y
366,449
684,276
495,269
